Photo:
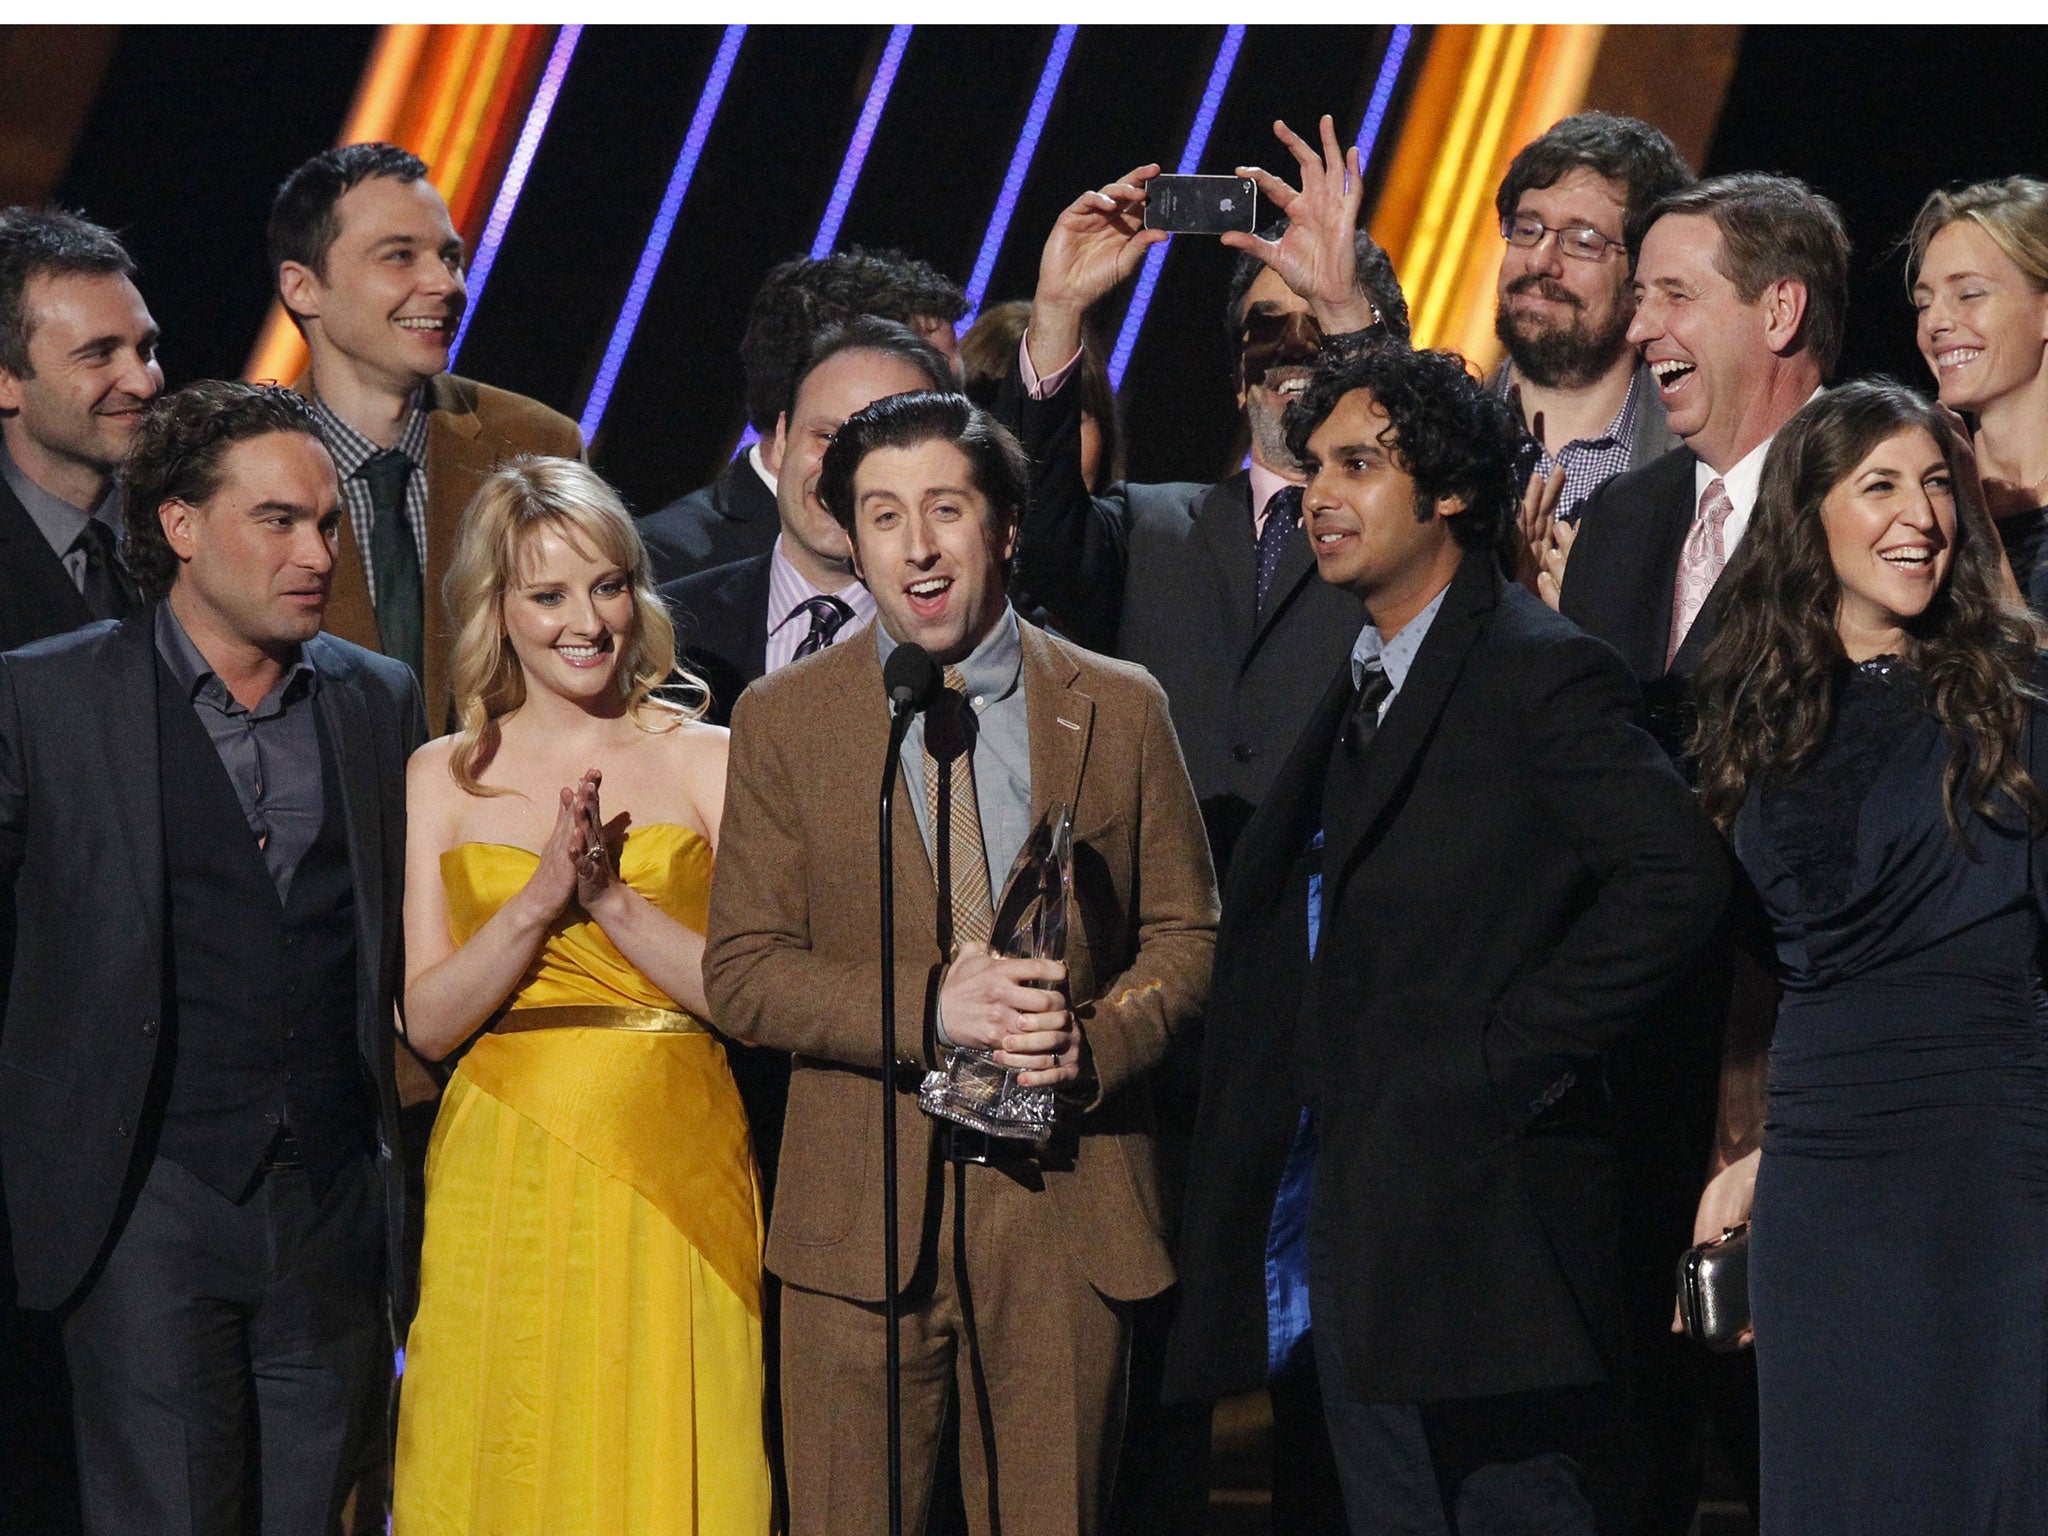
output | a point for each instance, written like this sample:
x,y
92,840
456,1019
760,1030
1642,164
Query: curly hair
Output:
x,y
803,296
1443,429
1619,149
1765,686
521,497
1001,472
180,453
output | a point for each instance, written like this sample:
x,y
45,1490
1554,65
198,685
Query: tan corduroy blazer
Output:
x,y
471,430
793,960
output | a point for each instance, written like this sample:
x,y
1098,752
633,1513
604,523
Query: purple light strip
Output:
x,y
1190,158
664,225
863,136
1382,94
1020,167
515,175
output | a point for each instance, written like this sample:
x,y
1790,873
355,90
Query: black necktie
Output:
x,y
828,614
1363,722
1283,515
401,589
106,593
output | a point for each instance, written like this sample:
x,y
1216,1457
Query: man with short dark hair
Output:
x,y
734,517
743,619
1474,874
1741,289
369,268
77,365
1571,207
1018,1265
201,819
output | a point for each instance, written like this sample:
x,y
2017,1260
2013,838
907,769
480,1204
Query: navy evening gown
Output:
x,y
1899,1262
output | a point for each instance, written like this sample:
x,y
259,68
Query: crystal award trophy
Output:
x,y
971,1089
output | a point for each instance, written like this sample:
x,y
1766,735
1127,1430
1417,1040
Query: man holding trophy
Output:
x,y
1029,1014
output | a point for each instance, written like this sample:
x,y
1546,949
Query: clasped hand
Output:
x,y
576,862
1016,1009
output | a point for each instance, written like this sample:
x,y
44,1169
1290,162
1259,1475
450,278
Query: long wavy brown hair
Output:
x,y
1765,685
525,495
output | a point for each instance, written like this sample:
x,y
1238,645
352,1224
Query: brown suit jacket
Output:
x,y
471,430
792,959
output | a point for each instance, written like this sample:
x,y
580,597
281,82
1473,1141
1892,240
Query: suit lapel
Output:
x,y
1062,728
750,616
350,735
1674,502
1223,524
42,583
1411,719
459,456
1297,567
128,735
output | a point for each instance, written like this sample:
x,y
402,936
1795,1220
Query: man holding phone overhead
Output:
x,y
1213,589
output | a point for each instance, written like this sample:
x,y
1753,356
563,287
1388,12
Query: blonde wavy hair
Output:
x,y
522,497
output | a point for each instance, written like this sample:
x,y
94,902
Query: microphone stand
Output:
x,y
903,711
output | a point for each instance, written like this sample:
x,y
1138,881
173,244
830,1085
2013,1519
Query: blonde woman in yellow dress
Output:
x,y
587,1353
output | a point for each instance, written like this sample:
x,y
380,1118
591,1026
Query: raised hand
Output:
x,y
595,871
1536,526
1097,241
1316,256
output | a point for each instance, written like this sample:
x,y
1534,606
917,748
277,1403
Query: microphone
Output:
x,y
912,678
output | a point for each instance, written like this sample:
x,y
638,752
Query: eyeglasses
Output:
x,y
1574,239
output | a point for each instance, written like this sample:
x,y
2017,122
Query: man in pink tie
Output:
x,y
1741,287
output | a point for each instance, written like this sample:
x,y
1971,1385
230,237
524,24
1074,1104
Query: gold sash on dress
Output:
x,y
646,1021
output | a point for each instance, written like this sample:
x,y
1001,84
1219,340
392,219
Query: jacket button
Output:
x,y
149,1026
1242,752
121,1127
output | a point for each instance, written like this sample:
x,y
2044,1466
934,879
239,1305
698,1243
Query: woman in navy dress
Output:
x,y
1868,720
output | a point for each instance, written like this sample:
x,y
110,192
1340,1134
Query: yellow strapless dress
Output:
x,y
587,1353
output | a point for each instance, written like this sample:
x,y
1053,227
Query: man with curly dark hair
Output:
x,y
201,829
1475,872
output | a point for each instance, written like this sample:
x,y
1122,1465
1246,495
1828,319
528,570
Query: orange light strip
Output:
x,y
454,96
1484,92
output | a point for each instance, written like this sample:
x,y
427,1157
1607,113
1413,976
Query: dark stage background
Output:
x,y
193,127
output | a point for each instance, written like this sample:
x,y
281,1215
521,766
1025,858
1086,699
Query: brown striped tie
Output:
x,y
958,855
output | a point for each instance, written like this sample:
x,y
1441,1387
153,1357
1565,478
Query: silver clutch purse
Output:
x,y
1713,1290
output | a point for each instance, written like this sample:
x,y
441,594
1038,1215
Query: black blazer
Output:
x,y
1618,582
1163,575
81,845
721,620
37,598
1511,889
732,518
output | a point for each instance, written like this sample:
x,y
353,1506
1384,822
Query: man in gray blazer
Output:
x,y
202,825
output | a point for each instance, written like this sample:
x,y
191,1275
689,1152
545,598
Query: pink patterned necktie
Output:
x,y
1699,563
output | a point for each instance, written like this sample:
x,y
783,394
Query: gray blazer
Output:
x,y
82,850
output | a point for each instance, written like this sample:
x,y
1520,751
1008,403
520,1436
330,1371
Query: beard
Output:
x,y
1265,413
1570,355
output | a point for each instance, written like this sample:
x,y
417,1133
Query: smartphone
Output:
x,y
1202,205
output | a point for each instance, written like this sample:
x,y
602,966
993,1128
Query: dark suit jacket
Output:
x,y
1163,575
81,844
732,518
37,598
721,618
1509,891
791,963
471,430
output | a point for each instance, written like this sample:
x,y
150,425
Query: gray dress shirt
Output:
x,y
60,522
1001,746
271,752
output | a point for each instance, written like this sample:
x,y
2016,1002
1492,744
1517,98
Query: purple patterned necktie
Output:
x,y
1699,563
1283,516
827,615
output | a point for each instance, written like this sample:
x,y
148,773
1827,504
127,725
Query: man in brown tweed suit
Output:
x,y
1018,1271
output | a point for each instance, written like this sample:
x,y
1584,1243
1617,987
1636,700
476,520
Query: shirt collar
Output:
x,y
1396,654
760,467
61,523
992,669
196,678
1265,486
789,587
1744,477
352,450
1620,430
